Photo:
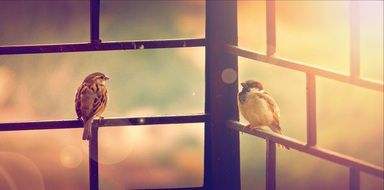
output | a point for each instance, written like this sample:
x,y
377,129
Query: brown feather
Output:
x,y
259,108
90,101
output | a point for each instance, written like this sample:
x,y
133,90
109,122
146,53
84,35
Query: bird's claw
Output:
x,y
100,119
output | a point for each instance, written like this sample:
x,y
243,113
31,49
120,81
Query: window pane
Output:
x,y
314,32
371,39
252,25
348,112
161,156
41,22
43,159
145,82
134,20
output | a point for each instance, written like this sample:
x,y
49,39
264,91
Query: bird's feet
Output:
x,y
100,120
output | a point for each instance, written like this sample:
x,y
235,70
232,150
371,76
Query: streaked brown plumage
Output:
x,y
258,107
90,101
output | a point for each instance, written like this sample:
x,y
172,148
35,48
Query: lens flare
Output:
x,y
15,169
71,157
229,75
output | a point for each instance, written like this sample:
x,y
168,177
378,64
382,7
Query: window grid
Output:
x,y
221,156
96,44
355,165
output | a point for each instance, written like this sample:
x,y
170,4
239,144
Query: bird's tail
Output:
x,y
87,133
277,129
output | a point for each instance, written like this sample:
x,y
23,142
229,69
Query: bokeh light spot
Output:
x,y
71,157
229,75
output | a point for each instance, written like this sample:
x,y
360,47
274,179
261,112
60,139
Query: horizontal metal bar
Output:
x,y
176,188
104,46
365,83
106,122
312,150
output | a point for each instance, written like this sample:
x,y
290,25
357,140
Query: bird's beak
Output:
x,y
244,85
106,78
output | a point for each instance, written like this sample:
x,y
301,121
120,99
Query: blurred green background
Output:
x,y
171,81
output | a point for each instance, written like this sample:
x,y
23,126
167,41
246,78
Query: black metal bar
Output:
x,y
175,188
271,27
270,170
354,39
94,158
105,46
221,157
315,151
315,70
106,122
354,179
95,21
311,110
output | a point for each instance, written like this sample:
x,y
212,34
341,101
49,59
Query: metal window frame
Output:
x,y
310,147
221,144
221,170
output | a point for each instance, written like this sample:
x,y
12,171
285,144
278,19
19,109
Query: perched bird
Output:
x,y
90,101
258,107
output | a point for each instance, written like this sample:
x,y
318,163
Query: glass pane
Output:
x,y
348,112
371,39
138,20
302,175
143,157
43,159
252,25
145,82
42,22
370,182
314,32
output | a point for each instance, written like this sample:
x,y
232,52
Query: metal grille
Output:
x,y
96,44
221,144
217,137
355,165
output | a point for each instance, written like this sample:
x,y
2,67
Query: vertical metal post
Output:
x,y
354,179
95,21
93,159
311,110
221,158
93,144
271,27
270,170
354,28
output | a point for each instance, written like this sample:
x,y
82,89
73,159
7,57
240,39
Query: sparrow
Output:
x,y
258,107
90,101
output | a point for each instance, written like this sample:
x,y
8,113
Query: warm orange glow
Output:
x,y
71,157
349,119
171,81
